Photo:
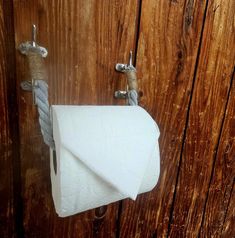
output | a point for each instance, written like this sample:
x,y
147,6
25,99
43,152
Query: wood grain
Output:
x,y
220,191
6,184
10,223
166,60
229,222
214,72
185,80
85,40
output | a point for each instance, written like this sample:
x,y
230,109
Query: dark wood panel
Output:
x,y
166,60
215,68
8,125
6,185
220,191
85,39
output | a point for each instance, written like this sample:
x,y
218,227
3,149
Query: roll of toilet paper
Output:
x,y
103,154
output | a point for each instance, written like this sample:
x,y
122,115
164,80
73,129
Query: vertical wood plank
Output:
x,y
9,180
6,183
84,39
229,222
213,79
166,60
220,191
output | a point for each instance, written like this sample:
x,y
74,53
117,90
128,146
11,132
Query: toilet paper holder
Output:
x,y
130,72
31,47
39,87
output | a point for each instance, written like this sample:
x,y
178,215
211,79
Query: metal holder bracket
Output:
x,y
125,67
120,94
32,46
130,72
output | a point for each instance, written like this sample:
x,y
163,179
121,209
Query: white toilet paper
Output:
x,y
103,154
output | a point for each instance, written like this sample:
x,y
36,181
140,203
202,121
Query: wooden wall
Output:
x,y
10,184
6,173
185,57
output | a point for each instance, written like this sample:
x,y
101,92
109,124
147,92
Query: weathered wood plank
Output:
x,y
208,106
85,39
229,223
7,115
223,177
168,46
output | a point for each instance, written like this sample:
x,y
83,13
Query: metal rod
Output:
x,y
34,34
130,59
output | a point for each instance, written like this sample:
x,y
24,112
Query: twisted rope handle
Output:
x,y
130,71
132,93
41,100
39,89
132,97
